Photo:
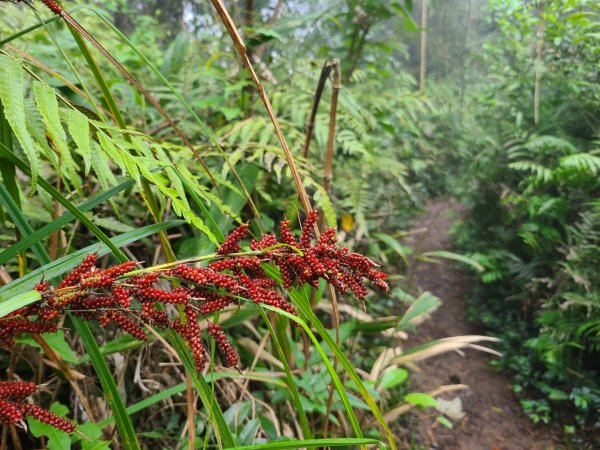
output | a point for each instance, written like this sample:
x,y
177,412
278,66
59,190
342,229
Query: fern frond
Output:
x,y
13,102
541,174
581,162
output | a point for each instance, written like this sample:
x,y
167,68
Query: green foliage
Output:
x,y
532,222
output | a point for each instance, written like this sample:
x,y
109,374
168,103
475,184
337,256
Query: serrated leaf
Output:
x,y
79,128
111,150
324,202
102,168
45,99
180,206
11,96
129,160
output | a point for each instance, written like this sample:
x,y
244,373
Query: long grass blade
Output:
x,y
34,27
301,301
12,304
312,443
19,220
456,257
291,385
334,376
10,156
66,263
123,421
66,218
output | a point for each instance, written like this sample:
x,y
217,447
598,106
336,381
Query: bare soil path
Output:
x,y
493,419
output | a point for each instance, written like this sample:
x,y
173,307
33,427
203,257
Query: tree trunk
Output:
x,y
463,59
423,46
538,66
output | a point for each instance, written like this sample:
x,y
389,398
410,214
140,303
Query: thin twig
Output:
x,y
310,123
241,48
335,89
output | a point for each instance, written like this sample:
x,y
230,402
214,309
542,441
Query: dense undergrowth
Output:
x,y
532,197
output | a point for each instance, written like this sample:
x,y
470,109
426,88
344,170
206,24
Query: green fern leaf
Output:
x,y
323,201
45,99
179,205
129,161
102,167
11,96
582,162
111,150
79,128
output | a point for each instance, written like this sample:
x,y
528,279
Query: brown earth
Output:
x,y
493,419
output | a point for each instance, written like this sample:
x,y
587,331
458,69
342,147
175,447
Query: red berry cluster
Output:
x,y
232,243
322,259
223,345
115,296
53,6
192,334
51,419
13,407
112,297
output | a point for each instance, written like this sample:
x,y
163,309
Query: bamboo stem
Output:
x,y
335,89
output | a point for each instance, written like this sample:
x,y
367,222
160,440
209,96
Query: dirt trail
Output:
x,y
493,419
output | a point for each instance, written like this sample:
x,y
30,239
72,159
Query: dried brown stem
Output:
x,y
67,371
328,176
241,49
310,123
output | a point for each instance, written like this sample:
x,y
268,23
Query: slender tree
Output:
x,y
423,46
